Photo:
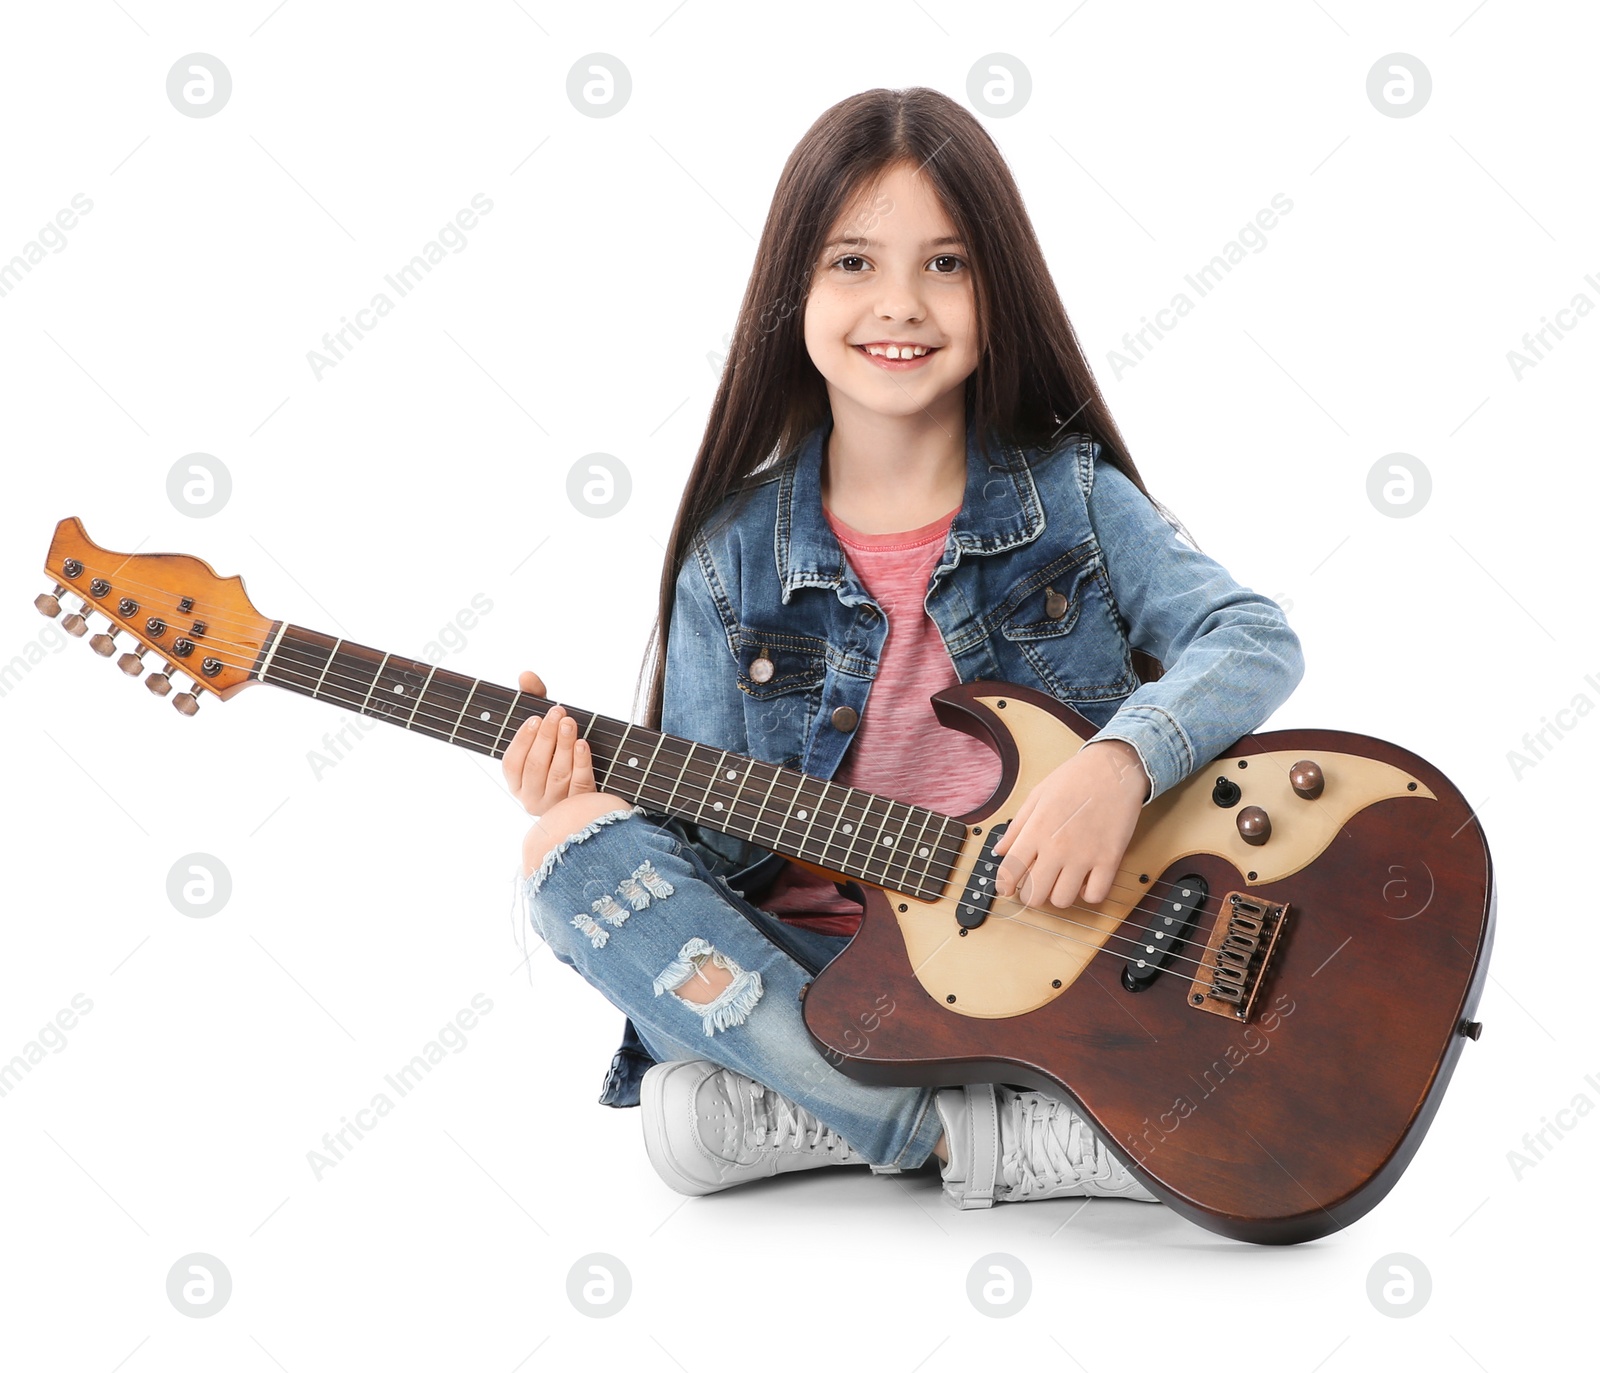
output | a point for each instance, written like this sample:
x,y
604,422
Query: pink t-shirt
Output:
x,y
899,749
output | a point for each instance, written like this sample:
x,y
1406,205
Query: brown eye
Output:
x,y
849,257
949,257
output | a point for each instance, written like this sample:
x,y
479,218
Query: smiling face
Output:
x,y
891,319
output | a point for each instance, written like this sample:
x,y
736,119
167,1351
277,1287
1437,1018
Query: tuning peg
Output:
x,y
104,644
185,704
160,682
49,604
75,624
132,663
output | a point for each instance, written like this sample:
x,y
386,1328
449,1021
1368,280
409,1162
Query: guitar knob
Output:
x,y
160,682
1306,779
1255,827
49,604
104,644
185,704
132,663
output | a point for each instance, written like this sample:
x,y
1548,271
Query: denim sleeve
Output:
x,y
700,701
1229,655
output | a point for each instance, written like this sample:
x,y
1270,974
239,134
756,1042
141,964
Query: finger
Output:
x,y
531,683
1009,875
1003,845
560,779
513,759
1068,885
536,772
583,767
1097,886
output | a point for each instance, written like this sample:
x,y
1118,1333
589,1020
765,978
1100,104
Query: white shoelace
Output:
x,y
1049,1145
779,1121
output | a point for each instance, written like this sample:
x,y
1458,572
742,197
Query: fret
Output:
x,y
754,825
411,719
875,845
899,839
272,649
688,757
379,673
701,817
812,809
915,847
475,734
330,687
616,754
761,805
495,751
641,774
466,701
332,653
844,829
852,827
390,704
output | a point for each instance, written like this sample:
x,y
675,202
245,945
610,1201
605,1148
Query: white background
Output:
x,y
371,902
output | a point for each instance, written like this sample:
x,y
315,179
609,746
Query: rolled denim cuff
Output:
x,y
1159,740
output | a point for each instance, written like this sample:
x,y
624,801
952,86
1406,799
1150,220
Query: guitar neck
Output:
x,y
843,829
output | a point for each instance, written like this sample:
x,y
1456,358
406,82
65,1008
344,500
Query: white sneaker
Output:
x,y
1007,1145
708,1127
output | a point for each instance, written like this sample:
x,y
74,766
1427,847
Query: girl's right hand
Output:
x,y
545,761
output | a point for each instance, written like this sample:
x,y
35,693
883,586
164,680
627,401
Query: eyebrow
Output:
x,y
873,243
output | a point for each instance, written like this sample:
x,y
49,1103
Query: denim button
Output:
x,y
845,719
761,670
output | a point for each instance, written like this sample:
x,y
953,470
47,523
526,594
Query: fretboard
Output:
x,y
842,828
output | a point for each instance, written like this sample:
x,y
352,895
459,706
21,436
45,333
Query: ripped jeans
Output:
x,y
636,912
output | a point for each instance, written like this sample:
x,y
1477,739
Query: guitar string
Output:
x,y
1177,958
1134,941
697,770
296,654
288,647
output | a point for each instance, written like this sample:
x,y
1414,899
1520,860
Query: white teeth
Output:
x,y
896,352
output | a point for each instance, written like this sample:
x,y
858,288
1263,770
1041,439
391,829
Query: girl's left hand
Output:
x,y
1071,833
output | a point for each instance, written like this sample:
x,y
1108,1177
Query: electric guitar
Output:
x,y
1260,1020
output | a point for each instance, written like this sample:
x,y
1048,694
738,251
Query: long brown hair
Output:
x,y
1032,384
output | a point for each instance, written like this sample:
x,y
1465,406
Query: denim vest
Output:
x,y
1035,526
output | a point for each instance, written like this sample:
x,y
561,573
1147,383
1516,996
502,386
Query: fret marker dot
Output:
x,y
399,690
716,805
731,774
886,840
847,828
799,815
484,715
633,762
922,852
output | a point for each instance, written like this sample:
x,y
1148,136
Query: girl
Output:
x,y
909,478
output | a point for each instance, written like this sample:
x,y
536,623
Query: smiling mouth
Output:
x,y
894,353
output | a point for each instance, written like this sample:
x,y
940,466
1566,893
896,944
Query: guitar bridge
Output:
x,y
1238,954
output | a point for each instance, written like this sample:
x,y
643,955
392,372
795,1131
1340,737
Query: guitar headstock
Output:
x,y
176,609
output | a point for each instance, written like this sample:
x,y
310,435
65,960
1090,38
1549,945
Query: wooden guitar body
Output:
x,y
1275,1128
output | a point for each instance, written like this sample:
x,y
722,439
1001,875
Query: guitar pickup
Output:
x,y
1164,935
